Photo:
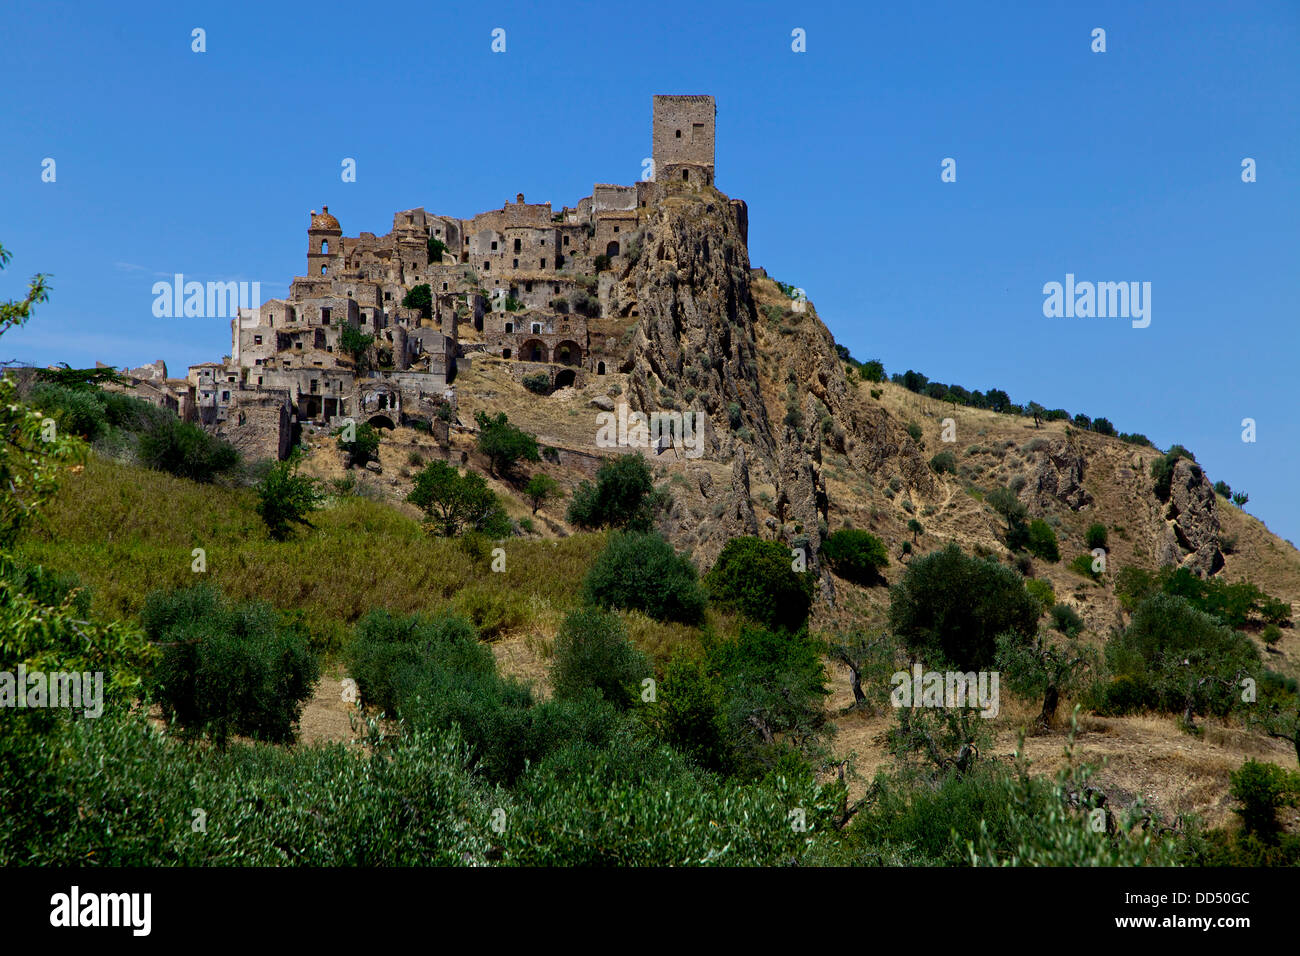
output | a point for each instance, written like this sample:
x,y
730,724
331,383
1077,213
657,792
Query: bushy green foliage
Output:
x,y
944,461
855,555
364,445
540,489
1177,659
873,370
354,342
1261,790
420,297
756,578
932,825
642,572
743,705
286,498
228,668
538,383
187,451
116,792
388,650
593,653
1066,620
950,608
504,444
1044,669
1041,591
453,502
632,805
1083,564
78,411
1041,541
436,248
1008,504
622,497
1096,537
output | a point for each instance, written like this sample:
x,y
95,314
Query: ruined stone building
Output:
x,y
522,283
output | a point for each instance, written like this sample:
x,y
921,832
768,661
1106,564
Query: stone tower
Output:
x,y
324,245
682,138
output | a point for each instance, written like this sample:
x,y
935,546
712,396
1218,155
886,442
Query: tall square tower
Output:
x,y
682,138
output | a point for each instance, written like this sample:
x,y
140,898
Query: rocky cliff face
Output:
x,y
697,346
1190,535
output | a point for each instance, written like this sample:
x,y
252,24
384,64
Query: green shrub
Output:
x,y
286,498
78,411
538,382
453,502
186,451
642,572
1041,591
504,444
1181,660
228,668
1066,620
420,297
1041,541
756,578
622,497
592,653
364,446
944,461
1082,564
1261,790
387,650
950,608
855,555
1096,536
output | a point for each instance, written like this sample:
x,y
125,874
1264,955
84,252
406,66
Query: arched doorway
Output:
x,y
381,421
533,350
611,250
600,368
564,377
567,353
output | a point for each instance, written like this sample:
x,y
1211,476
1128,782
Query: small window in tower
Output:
x,y
494,247
543,264
387,296
616,228
487,266
322,270
566,240
444,287
324,246
518,245
257,340
686,174
325,316
225,396
516,264
679,134
510,327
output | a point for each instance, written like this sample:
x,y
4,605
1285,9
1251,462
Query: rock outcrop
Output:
x,y
1193,519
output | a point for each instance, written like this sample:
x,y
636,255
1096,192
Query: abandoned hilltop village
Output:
x,y
646,292
521,283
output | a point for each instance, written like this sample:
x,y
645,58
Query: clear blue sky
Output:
x,y
1122,166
